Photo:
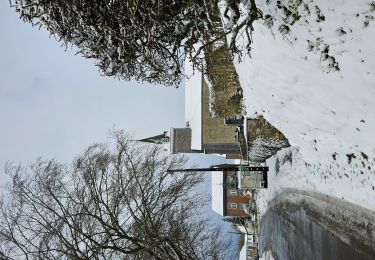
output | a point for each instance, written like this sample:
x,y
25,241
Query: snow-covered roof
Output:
x,y
217,189
193,104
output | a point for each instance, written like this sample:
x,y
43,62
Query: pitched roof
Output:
x,y
193,104
157,139
217,189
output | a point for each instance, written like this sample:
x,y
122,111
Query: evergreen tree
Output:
x,y
141,40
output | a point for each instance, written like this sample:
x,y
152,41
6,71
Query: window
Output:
x,y
233,192
243,192
165,140
232,205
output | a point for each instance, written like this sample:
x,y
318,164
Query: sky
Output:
x,y
54,103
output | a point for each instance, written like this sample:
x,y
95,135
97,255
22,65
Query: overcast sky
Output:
x,y
54,103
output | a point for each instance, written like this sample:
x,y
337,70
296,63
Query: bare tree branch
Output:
x,y
114,202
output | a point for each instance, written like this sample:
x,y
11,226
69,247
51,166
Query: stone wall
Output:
x,y
264,140
225,89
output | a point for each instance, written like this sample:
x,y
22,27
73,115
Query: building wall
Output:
x,y
214,129
238,199
221,148
233,156
230,197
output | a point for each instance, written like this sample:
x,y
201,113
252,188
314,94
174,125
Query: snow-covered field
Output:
x,y
267,256
327,115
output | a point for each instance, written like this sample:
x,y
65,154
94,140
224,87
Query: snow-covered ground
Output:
x,y
267,256
327,115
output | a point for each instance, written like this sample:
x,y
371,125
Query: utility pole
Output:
x,y
238,168
220,168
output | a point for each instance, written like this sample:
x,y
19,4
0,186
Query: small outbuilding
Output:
x,y
203,133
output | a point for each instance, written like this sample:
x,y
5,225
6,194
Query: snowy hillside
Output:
x,y
316,83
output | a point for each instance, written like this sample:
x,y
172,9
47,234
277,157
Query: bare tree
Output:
x,y
141,40
114,202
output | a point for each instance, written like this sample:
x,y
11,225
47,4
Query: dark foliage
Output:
x,y
141,40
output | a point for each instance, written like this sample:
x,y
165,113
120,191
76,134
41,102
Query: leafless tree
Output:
x,y
141,40
113,202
